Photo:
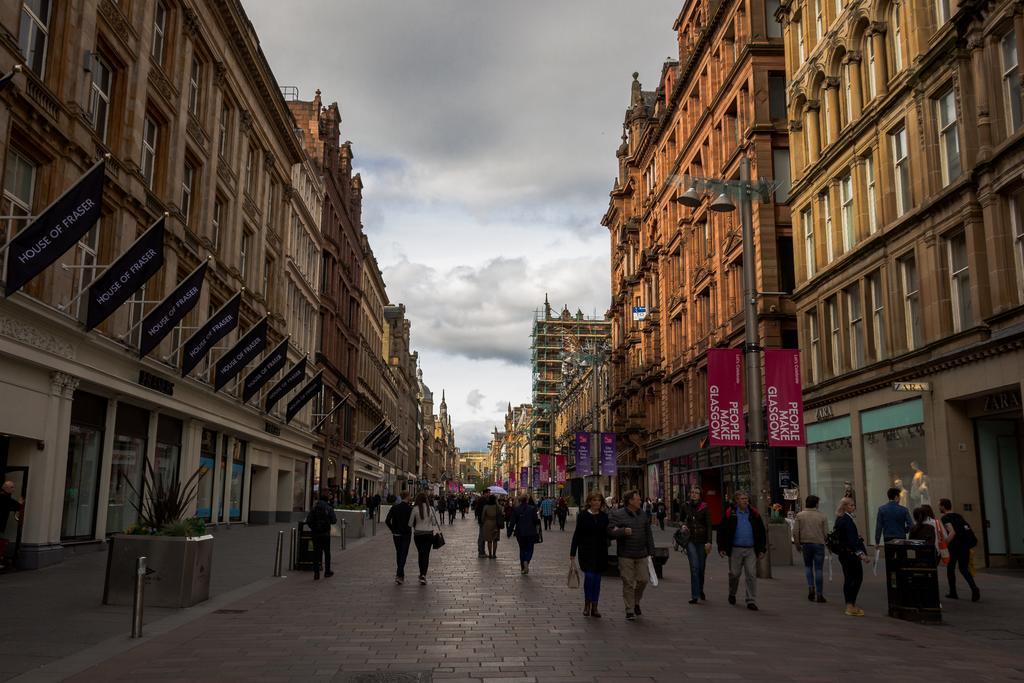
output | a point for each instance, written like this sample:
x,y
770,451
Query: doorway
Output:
x,y
1002,490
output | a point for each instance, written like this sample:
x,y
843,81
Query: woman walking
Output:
x,y
526,527
422,522
696,525
562,512
492,521
852,552
452,508
590,540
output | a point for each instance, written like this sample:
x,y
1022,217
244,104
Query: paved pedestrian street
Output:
x,y
480,619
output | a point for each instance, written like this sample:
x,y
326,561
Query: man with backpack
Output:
x,y
319,520
960,538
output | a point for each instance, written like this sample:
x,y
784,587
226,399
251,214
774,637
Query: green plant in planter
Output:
x,y
163,507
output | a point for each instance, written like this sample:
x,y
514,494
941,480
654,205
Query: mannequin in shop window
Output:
x,y
919,494
904,494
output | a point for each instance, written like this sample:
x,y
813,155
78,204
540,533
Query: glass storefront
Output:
x,y
720,473
207,458
237,480
168,450
299,487
829,462
126,466
81,486
894,457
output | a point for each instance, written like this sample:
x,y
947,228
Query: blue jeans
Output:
x,y
592,586
526,544
698,561
814,560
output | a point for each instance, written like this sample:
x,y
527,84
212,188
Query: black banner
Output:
x,y
159,322
267,368
389,445
375,432
240,355
126,275
5,80
382,438
312,388
216,328
287,383
56,230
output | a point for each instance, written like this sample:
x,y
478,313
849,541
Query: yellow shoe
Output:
x,y
854,612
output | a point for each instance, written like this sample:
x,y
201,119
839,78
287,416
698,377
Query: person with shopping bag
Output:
x,y
630,526
590,544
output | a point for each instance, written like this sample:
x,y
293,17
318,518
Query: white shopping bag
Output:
x,y
653,575
830,567
874,570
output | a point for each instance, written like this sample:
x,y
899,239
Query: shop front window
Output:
x,y
168,450
237,479
299,487
126,465
894,457
830,462
207,458
80,490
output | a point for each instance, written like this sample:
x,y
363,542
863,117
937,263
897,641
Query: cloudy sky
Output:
x,y
485,132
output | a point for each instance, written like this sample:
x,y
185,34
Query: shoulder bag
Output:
x,y
437,541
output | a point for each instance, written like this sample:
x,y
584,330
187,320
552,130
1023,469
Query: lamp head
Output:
x,y
690,198
723,204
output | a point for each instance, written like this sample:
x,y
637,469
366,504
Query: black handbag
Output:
x,y
540,535
437,541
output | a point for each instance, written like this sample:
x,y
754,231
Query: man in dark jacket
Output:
x,y
478,509
630,526
8,504
743,539
320,520
893,520
398,522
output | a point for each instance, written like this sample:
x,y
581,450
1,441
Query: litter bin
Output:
x,y
305,557
912,581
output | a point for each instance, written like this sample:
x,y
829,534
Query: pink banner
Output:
x,y
784,397
726,426
545,468
560,468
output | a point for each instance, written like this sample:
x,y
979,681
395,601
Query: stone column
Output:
x,y
812,134
834,124
852,65
979,71
106,455
877,36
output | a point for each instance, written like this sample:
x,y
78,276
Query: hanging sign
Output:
x,y
545,468
287,383
159,322
267,368
726,426
584,467
303,396
58,228
241,354
560,469
216,328
524,476
784,401
609,456
126,275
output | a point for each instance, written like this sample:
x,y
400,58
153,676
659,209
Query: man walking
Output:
x,y
8,504
547,512
398,522
893,521
478,510
631,528
743,539
319,520
809,532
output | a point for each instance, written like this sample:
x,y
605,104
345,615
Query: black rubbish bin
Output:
x,y
305,556
912,581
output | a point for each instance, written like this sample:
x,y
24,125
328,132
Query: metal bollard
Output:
x,y
278,552
138,597
344,526
291,551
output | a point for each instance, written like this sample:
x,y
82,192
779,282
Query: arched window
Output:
x,y
871,91
896,30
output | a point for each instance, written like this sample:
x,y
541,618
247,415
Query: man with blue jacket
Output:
x,y
893,520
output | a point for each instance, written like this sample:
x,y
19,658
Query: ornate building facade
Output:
x,y
907,152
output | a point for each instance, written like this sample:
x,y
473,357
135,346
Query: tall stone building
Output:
x,y
375,401
722,99
341,276
185,103
907,152
403,360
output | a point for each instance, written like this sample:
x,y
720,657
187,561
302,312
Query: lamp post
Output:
x,y
745,191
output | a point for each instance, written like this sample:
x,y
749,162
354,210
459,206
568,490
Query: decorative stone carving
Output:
x,y
246,121
220,72
813,105
796,126
268,160
25,333
191,23
63,384
118,24
161,84
832,82
852,58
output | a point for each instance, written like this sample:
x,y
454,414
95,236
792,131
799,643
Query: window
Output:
x,y
959,280
243,256
99,96
848,90
268,266
835,335
855,319
218,212
949,139
807,222
194,80
846,212
774,28
814,336
86,260
159,32
897,37
225,115
34,33
941,12
271,199
801,49
826,213
777,97
149,140
839,7
872,190
901,169
1011,81
187,185
19,186
911,301
1016,207
780,160
819,20
872,79
250,170
877,303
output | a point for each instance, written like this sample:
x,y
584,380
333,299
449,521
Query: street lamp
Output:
x,y
745,191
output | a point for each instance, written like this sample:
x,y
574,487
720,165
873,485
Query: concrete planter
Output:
x,y
780,544
358,523
179,569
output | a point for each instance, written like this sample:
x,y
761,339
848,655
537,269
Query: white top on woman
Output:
x,y
422,524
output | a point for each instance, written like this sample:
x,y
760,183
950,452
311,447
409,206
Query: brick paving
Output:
x,y
481,620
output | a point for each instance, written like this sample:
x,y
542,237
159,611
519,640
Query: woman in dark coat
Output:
x,y
526,527
852,554
590,540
